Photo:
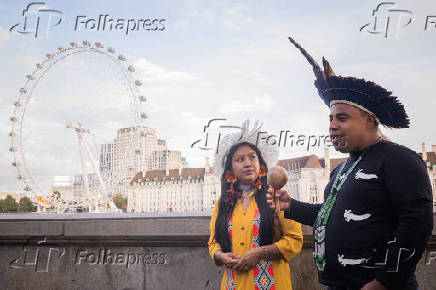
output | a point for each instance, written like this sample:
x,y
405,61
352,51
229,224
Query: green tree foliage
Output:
x,y
25,205
9,204
120,201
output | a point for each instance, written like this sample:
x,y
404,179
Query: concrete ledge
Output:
x,y
131,251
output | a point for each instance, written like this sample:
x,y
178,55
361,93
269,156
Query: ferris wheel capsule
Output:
x,y
17,104
49,55
19,177
13,119
73,44
138,151
122,57
131,68
61,49
86,43
144,116
138,83
142,99
12,149
15,164
99,45
12,134
27,188
30,77
111,50
23,90
39,66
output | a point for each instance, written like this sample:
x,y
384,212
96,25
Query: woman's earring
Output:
x,y
262,171
230,178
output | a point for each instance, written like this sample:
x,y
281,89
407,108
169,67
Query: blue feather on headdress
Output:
x,y
366,94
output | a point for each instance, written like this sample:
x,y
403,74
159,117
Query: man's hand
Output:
x,y
227,259
374,285
249,259
283,197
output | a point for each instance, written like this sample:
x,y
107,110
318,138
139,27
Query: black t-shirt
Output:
x,y
380,222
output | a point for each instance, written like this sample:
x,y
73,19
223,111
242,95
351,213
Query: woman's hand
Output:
x,y
283,197
227,259
249,259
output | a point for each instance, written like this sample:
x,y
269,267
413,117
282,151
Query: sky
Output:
x,y
229,60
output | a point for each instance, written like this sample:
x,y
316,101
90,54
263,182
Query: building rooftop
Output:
x,y
311,161
186,173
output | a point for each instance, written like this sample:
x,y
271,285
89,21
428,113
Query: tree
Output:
x,y
1,205
25,205
9,204
56,194
120,201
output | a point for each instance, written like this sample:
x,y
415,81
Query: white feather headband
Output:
x,y
269,153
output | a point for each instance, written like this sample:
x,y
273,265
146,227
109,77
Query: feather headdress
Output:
x,y
269,152
365,95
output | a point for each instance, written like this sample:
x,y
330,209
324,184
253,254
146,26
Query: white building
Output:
x,y
430,160
79,188
308,176
167,159
107,155
134,149
161,145
174,190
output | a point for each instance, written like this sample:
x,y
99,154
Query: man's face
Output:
x,y
245,165
348,128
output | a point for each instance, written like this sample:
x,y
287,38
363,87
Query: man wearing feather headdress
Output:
x,y
376,218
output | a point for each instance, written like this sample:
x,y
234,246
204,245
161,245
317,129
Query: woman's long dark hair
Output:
x,y
225,210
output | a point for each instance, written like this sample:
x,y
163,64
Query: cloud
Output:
x,y
236,17
155,74
196,18
4,36
247,103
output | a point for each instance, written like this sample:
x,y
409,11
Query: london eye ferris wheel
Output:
x,y
53,104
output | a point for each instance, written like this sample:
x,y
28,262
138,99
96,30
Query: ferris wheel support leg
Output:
x,y
85,171
102,183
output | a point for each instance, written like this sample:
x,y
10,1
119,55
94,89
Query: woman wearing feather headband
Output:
x,y
376,218
242,236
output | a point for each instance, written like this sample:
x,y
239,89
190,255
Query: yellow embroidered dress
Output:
x,y
244,233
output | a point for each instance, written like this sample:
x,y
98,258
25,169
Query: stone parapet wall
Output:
x,y
130,251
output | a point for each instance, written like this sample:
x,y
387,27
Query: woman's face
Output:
x,y
245,165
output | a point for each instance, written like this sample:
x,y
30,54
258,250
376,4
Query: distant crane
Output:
x,y
85,151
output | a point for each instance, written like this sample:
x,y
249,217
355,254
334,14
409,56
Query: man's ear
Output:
x,y
370,121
